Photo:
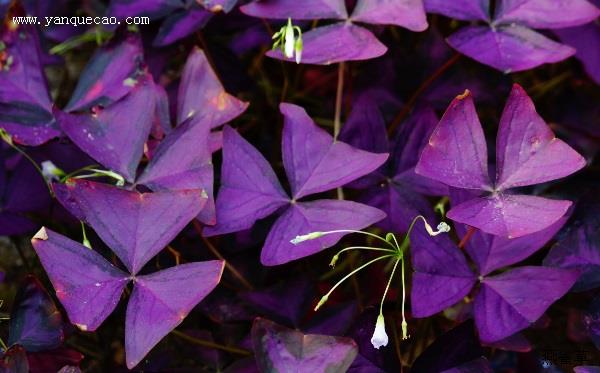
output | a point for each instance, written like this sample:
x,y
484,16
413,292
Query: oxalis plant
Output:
x,y
175,180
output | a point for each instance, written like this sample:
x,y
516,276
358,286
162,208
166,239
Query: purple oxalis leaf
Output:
x,y
405,13
509,215
202,95
128,221
456,153
160,301
527,153
467,10
183,160
451,349
442,276
111,74
90,287
493,252
580,38
313,161
116,135
23,192
509,302
25,103
35,323
249,188
308,9
336,43
286,350
515,48
182,23
304,217
579,248
546,14
87,285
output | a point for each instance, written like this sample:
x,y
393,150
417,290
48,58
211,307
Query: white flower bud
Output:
x,y
306,237
290,41
380,338
50,171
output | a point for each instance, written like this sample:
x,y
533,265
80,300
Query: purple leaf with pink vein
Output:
x,y
546,13
579,247
509,48
174,167
111,74
115,136
405,13
89,287
336,43
508,42
341,41
580,38
161,301
202,95
527,153
504,304
128,221
314,163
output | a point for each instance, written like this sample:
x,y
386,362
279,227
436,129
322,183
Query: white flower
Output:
x,y
443,227
50,171
380,338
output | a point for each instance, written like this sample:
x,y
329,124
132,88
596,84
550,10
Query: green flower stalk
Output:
x,y
392,250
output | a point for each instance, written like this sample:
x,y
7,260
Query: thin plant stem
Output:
x,y
176,254
467,237
413,99
3,345
388,285
356,231
237,274
364,248
352,273
403,290
337,119
397,343
34,163
210,344
71,174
